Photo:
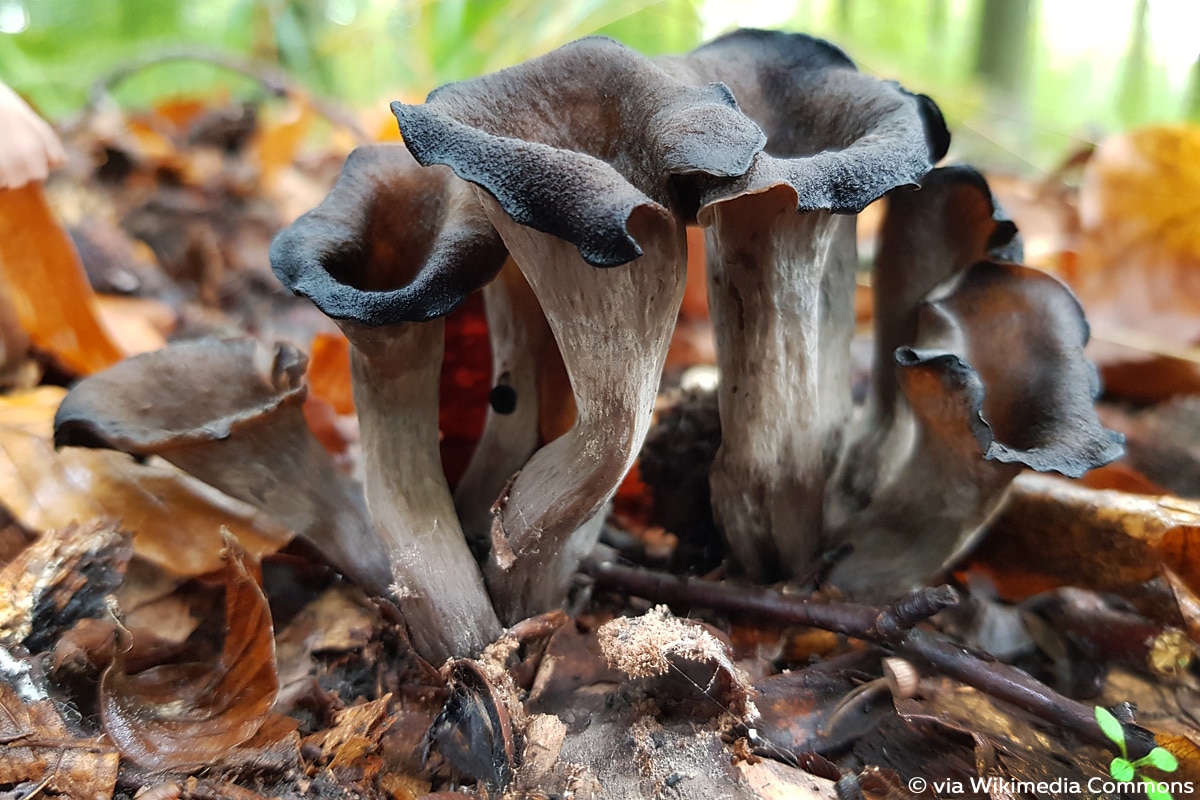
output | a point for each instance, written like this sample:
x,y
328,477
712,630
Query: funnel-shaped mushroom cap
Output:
x,y
392,242
572,142
137,407
391,250
229,412
988,376
794,87
839,138
1023,332
928,236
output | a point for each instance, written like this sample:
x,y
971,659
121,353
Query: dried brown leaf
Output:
x,y
180,716
40,752
1095,539
1138,271
60,578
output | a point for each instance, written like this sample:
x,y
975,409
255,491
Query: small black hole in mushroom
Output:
x,y
503,398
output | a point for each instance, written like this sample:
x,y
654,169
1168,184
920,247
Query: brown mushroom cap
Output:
x,y
136,406
987,375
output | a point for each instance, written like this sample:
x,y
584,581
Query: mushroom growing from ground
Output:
x,y
392,249
524,361
979,372
583,167
583,160
782,260
229,413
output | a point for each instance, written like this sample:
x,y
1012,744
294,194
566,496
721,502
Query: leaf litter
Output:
x,y
224,678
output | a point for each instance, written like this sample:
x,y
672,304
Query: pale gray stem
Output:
x,y
520,339
781,299
612,326
438,584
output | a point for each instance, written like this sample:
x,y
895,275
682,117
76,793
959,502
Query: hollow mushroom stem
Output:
x,y
613,326
781,299
437,585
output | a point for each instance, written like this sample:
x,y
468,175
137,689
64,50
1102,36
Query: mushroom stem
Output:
x,y
438,584
781,298
521,343
300,486
613,326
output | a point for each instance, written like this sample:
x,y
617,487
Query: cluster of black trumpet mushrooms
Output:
x,y
562,188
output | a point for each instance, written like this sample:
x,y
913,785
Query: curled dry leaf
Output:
x,y
476,730
175,520
45,282
1138,270
185,716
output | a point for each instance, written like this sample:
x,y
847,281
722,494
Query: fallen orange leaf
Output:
x,y
1105,540
1138,266
329,371
41,272
277,141
178,716
138,325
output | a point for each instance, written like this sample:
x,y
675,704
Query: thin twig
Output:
x,y
891,627
275,81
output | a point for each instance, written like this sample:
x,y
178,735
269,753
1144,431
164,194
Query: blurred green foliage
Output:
x,y
361,52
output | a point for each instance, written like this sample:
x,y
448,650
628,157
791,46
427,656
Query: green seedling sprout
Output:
x,y
1123,770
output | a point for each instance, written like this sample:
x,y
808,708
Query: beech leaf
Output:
x,y
39,747
184,716
43,277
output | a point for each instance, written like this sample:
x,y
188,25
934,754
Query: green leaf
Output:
x,y
1162,759
1156,790
1121,770
1111,727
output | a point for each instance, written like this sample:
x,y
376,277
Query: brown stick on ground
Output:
x,y
891,627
